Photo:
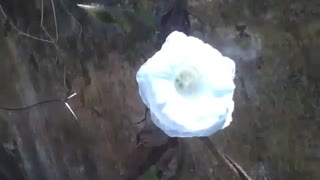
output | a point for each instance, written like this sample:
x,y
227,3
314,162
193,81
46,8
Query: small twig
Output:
x,y
47,33
41,19
30,106
21,32
65,101
30,36
74,114
145,116
41,22
239,169
5,15
225,160
55,20
72,17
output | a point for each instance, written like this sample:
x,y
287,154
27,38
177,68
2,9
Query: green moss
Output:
x,y
151,174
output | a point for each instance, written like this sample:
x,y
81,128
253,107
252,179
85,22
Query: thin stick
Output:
x,y
44,29
70,109
21,32
28,35
41,21
72,17
3,12
226,161
145,116
55,20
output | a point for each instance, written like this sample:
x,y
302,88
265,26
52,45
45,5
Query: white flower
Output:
x,y
188,86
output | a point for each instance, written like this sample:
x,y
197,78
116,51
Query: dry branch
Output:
x,y
41,25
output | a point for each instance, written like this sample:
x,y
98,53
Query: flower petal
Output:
x,y
194,114
183,116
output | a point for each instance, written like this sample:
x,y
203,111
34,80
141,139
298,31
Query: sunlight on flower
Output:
x,y
188,86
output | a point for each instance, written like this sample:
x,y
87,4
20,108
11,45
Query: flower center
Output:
x,y
188,81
